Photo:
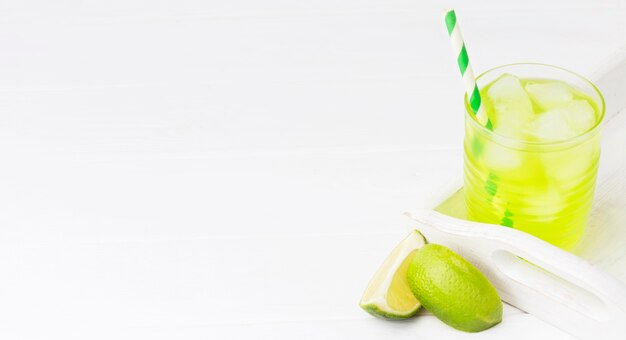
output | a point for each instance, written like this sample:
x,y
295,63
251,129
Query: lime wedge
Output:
x,y
388,294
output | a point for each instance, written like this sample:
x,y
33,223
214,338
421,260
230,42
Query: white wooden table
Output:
x,y
238,169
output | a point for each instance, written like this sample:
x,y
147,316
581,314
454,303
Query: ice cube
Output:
x,y
499,158
570,168
510,128
550,126
550,95
565,122
581,115
512,106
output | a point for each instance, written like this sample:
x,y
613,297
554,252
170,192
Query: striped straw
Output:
x,y
471,88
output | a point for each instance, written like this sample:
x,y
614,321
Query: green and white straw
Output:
x,y
458,46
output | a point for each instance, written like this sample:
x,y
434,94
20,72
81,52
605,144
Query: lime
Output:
x,y
388,294
453,290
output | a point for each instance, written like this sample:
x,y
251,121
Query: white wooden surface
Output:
x,y
238,169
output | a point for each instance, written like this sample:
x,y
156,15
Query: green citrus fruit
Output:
x,y
453,290
388,294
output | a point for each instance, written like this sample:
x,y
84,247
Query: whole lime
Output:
x,y
453,289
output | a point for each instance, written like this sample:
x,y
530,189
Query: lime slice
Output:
x,y
388,294
453,290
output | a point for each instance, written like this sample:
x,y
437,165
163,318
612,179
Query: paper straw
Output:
x,y
471,88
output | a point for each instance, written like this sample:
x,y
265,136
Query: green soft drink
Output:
x,y
535,170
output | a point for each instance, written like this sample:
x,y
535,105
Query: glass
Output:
x,y
543,188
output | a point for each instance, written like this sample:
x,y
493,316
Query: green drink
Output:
x,y
536,170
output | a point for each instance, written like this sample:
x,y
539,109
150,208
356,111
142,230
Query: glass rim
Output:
x,y
531,144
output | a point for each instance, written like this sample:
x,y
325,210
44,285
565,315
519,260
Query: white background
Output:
x,y
238,169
